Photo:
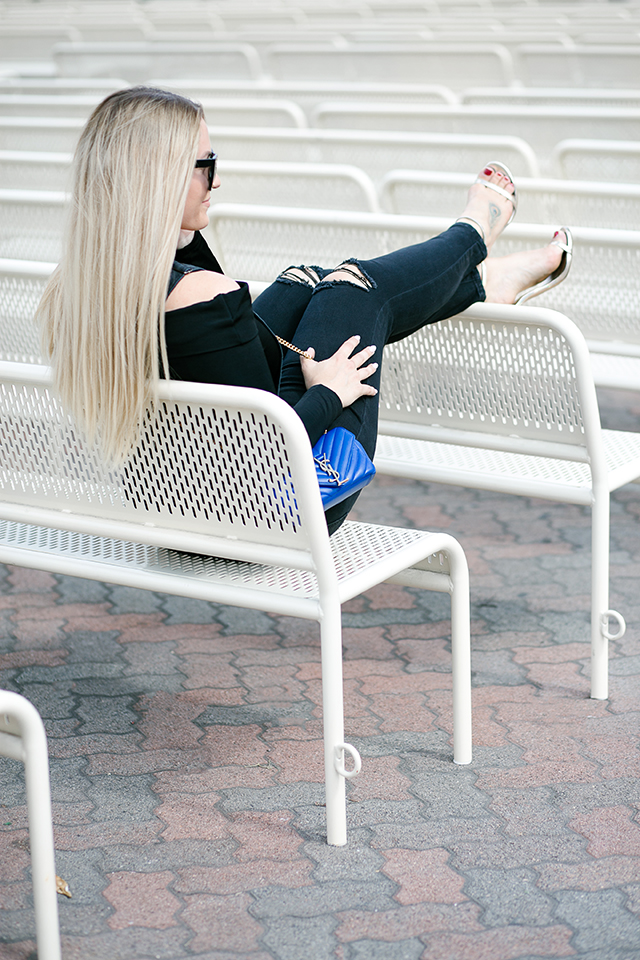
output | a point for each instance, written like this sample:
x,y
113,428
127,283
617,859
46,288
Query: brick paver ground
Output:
x,y
186,758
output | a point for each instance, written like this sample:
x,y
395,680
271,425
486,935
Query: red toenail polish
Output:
x,y
488,171
556,234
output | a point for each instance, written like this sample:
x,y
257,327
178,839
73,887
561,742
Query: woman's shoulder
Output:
x,y
191,285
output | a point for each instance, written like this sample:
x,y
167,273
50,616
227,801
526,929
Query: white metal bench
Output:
x,y
540,200
375,152
137,61
33,169
23,738
22,284
31,224
601,295
613,160
58,134
220,502
333,186
456,65
541,127
308,93
584,65
551,96
502,398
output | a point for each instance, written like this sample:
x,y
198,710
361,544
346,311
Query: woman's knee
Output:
x,y
308,276
351,272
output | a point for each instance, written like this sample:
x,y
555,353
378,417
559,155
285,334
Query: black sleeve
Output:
x,y
198,254
317,409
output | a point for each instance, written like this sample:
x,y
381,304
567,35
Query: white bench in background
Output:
x,y
34,170
576,203
47,105
612,160
456,65
541,127
50,134
502,398
65,86
308,93
219,502
31,224
20,42
331,186
271,112
587,65
375,152
137,61
22,283
601,295
253,112
551,96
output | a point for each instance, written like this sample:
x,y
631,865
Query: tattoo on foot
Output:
x,y
494,215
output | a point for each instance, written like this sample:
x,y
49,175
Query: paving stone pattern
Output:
x,y
186,758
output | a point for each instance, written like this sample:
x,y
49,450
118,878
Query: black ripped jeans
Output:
x,y
403,291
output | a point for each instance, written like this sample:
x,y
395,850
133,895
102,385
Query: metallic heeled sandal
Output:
x,y
513,197
558,275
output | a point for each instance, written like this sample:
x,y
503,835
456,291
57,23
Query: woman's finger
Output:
x,y
348,346
365,372
363,355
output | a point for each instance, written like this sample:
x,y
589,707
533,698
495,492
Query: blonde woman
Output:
x,y
139,295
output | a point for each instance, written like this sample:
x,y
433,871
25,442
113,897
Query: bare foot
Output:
x,y
489,209
506,277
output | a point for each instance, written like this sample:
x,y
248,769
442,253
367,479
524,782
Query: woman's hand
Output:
x,y
342,373
185,237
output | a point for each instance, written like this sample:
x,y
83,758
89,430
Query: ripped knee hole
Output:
x,y
349,273
305,275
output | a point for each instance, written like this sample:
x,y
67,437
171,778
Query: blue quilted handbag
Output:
x,y
342,466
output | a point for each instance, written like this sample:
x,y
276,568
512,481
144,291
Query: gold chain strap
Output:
x,y
290,346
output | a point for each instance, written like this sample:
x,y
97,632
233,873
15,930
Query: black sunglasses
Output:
x,y
209,162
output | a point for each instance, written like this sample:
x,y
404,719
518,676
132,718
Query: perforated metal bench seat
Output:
x,y
485,469
357,549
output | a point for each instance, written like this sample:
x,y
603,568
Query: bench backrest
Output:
x,y
600,295
308,93
574,202
21,285
612,160
376,152
260,241
330,186
602,292
520,377
455,65
541,127
588,65
33,170
137,61
224,471
31,224
40,133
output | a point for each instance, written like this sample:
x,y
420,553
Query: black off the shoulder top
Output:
x,y
224,341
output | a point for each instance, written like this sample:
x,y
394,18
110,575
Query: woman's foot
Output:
x,y
489,211
507,277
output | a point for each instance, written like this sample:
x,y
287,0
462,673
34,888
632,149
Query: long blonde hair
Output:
x,y
102,312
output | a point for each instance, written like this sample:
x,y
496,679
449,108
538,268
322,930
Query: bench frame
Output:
x,y
268,548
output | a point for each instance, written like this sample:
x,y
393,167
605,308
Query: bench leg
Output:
x,y
600,612
461,653
36,765
333,721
